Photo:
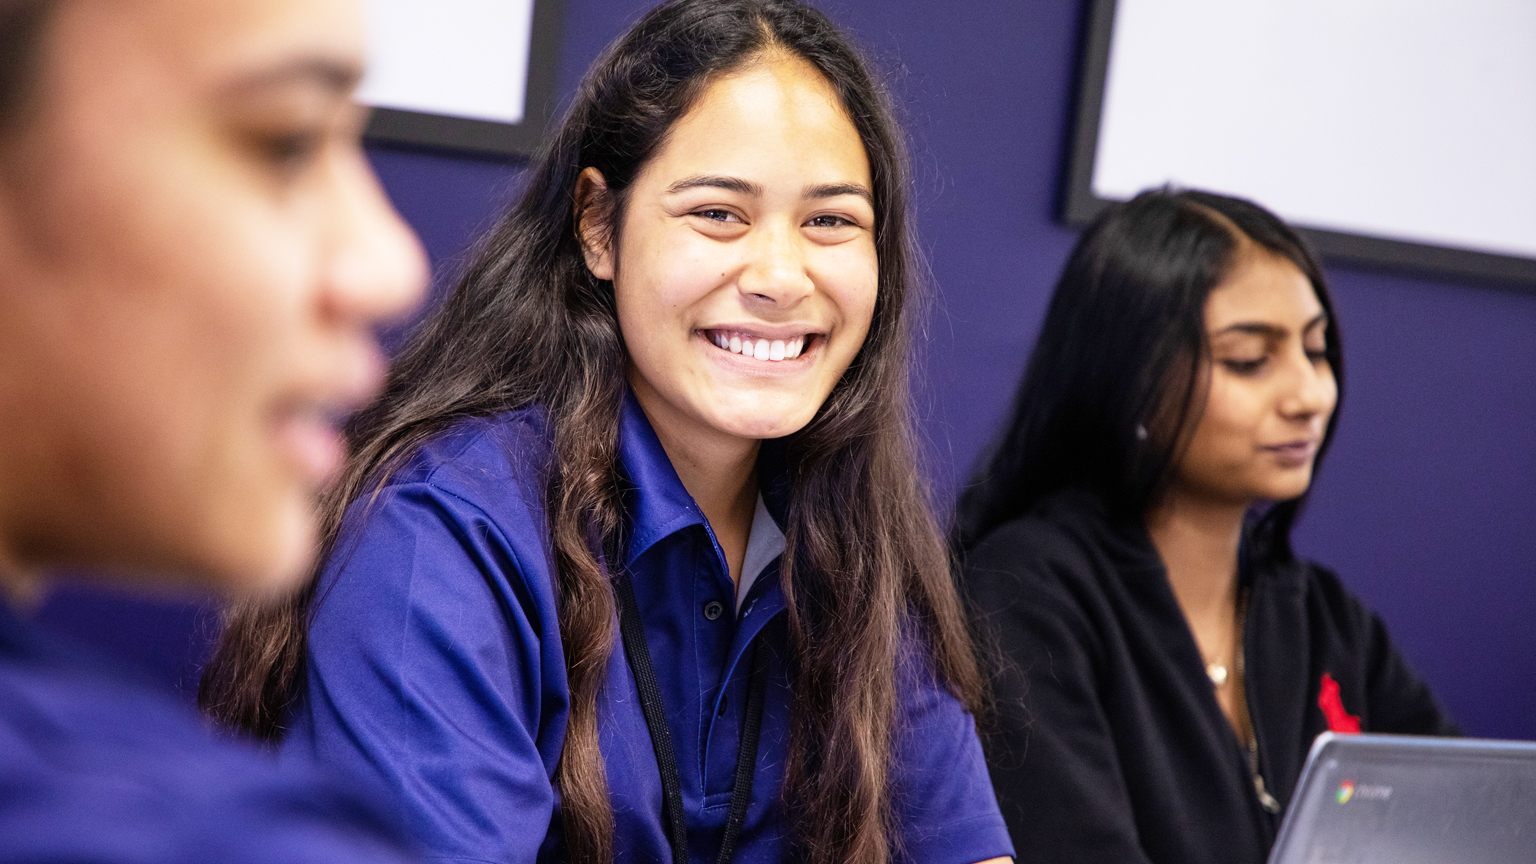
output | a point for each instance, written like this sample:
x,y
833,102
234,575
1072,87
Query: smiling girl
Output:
x,y
632,561
1169,658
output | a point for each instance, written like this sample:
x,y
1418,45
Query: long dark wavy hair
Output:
x,y
1114,384
528,324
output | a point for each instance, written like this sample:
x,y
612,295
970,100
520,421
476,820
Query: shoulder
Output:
x,y
95,767
482,478
1307,601
1056,582
1329,606
477,455
450,545
1349,649
1063,545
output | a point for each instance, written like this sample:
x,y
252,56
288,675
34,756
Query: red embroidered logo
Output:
x,y
1329,700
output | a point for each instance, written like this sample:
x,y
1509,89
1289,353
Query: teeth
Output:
x,y
760,349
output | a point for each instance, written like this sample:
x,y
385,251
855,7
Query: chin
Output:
x,y
271,559
1285,490
763,422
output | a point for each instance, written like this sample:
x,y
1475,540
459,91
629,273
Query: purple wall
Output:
x,y
1426,506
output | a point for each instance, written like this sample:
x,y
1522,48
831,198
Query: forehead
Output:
x,y
1263,288
205,42
776,119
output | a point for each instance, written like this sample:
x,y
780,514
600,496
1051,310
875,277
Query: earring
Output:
x,y
1141,432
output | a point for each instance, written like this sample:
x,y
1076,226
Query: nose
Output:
x,y
375,271
1311,390
776,271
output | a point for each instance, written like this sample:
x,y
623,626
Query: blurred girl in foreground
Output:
x,y
193,256
635,563
1168,657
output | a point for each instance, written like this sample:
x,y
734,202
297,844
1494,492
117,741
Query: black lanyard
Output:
x,y
639,654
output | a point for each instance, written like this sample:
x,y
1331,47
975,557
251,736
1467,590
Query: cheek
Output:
x,y
1224,439
850,278
236,302
1236,406
660,280
197,321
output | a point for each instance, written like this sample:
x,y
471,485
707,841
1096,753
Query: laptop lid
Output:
x,y
1403,799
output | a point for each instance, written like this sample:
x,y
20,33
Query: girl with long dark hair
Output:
x,y
632,561
194,260
1167,658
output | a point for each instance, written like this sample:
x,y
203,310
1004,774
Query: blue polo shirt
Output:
x,y
436,669
97,767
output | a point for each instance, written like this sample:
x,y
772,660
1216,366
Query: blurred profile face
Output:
x,y
1271,387
745,271
193,254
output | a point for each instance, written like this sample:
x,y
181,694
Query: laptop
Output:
x,y
1402,799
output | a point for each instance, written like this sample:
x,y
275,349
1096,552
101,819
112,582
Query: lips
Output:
x,y
774,348
1294,454
308,427
312,438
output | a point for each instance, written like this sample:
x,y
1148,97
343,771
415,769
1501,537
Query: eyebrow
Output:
x,y
1269,331
716,181
755,190
832,190
334,74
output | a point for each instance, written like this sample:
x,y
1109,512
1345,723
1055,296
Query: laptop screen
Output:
x,y
1408,800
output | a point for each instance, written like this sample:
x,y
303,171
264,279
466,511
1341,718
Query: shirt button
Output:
x,y
713,609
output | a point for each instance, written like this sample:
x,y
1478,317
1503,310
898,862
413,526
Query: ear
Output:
x,y
594,216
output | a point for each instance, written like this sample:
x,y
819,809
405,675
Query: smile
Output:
x,y
746,344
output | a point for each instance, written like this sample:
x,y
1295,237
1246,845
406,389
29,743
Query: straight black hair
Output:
x,y
1113,387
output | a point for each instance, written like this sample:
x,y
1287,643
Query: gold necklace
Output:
x,y
1216,670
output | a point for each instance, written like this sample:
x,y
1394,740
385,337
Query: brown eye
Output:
x,y
294,150
828,221
289,152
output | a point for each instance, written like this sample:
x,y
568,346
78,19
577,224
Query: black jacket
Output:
x,y
1109,744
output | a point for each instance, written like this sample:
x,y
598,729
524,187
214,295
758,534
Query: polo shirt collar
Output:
x,y
661,506
764,546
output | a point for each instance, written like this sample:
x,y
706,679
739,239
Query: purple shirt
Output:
x,y
97,768
436,668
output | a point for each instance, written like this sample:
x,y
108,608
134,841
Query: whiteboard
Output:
x,y
467,64
460,58
1405,120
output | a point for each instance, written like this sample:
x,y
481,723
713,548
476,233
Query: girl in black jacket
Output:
x,y
1167,658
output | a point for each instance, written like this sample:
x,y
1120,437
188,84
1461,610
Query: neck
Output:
x,y
1198,540
719,470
